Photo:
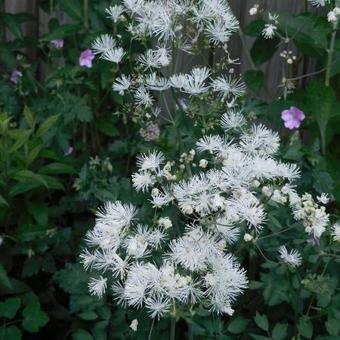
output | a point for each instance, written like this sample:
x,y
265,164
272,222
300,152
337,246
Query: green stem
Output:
x,y
86,14
330,55
151,329
191,332
51,6
173,329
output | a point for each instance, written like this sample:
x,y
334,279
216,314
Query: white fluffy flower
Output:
x,y
292,258
121,84
142,180
336,232
232,120
103,44
143,97
150,161
115,12
269,31
220,31
114,55
228,87
98,286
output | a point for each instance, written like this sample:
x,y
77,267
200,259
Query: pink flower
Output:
x,y
292,118
86,58
57,43
15,76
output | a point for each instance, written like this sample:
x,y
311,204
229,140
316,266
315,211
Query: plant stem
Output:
x,y
86,14
330,56
190,332
173,329
151,329
51,6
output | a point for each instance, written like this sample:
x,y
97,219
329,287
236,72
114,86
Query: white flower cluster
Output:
x,y
334,15
176,25
270,28
169,263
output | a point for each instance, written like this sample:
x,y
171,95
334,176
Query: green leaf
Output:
x,y
263,49
4,279
9,307
262,321
255,28
72,8
106,127
254,80
46,125
21,138
62,32
31,267
10,333
21,188
237,325
12,23
33,154
39,211
57,168
321,104
34,317
82,334
88,315
3,201
280,331
305,327
333,326
29,117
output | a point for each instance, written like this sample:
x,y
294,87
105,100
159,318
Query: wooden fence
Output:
x,y
240,7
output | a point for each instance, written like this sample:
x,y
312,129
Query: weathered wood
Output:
x,y
240,8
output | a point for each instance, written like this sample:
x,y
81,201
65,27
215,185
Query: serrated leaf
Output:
x,y
280,331
82,334
237,325
305,327
34,317
262,321
9,307
11,333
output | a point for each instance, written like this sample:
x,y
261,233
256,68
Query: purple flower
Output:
x,y
292,118
86,58
57,43
15,76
